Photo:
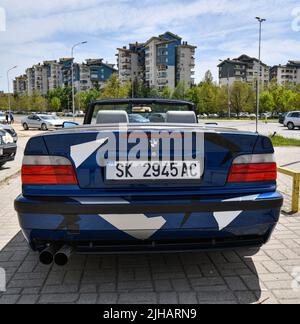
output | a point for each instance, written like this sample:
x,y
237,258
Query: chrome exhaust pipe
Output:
x,y
62,256
47,256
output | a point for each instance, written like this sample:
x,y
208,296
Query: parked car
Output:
x,y
266,115
105,188
282,118
2,118
9,129
68,114
79,114
157,117
43,122
138,119
292,120
8,147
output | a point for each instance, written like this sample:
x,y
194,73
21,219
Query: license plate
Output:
x,y
179,170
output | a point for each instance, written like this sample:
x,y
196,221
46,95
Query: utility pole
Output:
x,y
260,21
8,88
72,76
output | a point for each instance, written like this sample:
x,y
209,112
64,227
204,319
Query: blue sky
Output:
x,y
38,30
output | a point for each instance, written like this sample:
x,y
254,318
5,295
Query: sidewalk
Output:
x,y
233,276
11,168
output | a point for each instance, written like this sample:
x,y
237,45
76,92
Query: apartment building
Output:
x,y
160,62
37,78
53,74
245,69
286,74
186,63
20,85
99,72
131,62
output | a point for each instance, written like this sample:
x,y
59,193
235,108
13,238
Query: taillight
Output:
x,y
48,170
253,168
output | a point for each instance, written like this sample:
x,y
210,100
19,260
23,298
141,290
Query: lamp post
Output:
x,y
72,76
260,21
228,91
8,88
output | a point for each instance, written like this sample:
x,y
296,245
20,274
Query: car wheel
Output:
x,y
44,127
290,126
25,126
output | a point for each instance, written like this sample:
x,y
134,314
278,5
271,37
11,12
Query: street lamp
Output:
x,y
8,88
72,77
260,21
228,91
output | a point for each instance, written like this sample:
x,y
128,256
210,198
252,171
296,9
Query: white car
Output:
x,y
43,122
79,113
292,120
2,118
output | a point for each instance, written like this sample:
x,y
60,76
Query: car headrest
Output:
x,y
181,117
112,117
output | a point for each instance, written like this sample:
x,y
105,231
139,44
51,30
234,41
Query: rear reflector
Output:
x,y
253,168
48,171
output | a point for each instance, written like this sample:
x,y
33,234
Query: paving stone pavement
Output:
x,y
234,276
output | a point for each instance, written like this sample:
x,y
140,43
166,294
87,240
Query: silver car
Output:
x,y
9,130
43,122
292,120
2,118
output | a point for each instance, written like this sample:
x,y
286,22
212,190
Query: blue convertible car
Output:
x,y
165,184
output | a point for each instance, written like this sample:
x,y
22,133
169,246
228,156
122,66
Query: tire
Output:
x,y
25,126
44,127
290,126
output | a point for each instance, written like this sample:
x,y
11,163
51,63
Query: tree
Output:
x,y
153,93
166,93
284,99
208,98
181,91
114,89
63,94
38,103
55,104
194,95
208,78
266,101
138,89
222,100
242,97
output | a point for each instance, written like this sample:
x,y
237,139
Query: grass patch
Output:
x,y
278,140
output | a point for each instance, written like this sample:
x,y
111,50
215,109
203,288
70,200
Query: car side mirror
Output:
x,y
70,124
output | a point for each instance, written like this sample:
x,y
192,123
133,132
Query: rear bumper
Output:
x,y
9,153
134,224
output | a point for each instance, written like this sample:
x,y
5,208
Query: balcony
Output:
x,y
162,67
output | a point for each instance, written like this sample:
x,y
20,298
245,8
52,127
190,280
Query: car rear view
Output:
x,y
173,185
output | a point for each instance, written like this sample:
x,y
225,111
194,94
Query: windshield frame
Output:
x,y
168,102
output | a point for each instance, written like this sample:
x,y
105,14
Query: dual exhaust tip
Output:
x,y
59,255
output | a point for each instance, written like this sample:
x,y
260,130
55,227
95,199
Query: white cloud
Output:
x,y
46,29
